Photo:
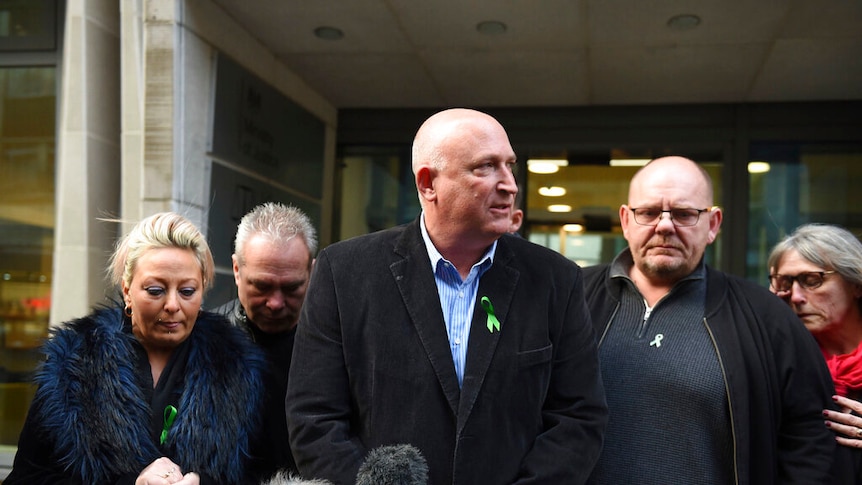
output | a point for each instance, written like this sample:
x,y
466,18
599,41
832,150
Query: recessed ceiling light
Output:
x,y
758,167
328,33
573,228
629,162
545,165
491,27
553,191
559,208
683,22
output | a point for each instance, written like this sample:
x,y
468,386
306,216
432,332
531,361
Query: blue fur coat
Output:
x,y
91,416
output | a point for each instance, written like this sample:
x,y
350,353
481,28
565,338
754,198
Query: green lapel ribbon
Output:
x,y
493,323
170,414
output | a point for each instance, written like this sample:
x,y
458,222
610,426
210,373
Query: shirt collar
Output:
x,y
435,256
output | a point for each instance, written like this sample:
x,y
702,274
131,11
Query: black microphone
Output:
x,y
287,478
393,465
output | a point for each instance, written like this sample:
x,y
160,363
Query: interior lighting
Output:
x,y
552,191
559,208
758,167
573,228
629,162
546,165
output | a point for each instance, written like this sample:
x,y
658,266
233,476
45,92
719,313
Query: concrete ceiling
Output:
x,y
409,53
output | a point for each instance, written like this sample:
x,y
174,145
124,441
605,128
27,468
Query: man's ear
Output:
x,y
235,261
715,218
425,184
625,213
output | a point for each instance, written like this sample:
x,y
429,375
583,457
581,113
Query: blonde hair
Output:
x,y
162,230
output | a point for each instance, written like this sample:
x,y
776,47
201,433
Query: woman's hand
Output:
x,y
844,422
164,471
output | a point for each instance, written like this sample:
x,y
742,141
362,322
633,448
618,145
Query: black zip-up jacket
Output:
x,y
775,375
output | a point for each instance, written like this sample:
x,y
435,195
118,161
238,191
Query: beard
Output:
x,y
668,271
665,267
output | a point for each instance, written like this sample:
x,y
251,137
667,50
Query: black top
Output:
x,y
271,452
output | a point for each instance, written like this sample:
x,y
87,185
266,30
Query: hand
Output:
x,y
164,471
190,478
845,422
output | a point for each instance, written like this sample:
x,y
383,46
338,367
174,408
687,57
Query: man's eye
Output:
x,y
684,215
187,292
290,289
155,290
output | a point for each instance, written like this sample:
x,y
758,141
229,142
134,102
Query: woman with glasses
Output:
x,y
817,270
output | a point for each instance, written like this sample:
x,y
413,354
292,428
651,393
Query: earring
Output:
x,y
128,311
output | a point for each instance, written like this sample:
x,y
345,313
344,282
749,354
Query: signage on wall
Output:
x,y
258,128
265,148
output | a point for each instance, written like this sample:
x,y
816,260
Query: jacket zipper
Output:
x,y
727,396
723,377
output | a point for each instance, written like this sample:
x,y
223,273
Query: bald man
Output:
x,y
709,378
449,334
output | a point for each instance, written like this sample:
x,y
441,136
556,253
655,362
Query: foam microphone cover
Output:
x,y
393,465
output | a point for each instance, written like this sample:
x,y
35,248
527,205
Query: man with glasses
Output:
x,y
709,378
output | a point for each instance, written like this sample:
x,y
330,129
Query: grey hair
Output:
x,y
279,223
162,230
828,246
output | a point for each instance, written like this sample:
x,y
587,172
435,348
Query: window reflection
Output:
x,y
377,190
805,182
27,121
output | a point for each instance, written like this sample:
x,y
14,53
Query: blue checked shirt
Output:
x,y
457,297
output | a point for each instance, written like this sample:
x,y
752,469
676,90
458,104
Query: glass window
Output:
x,y
377,190
795,183
27,140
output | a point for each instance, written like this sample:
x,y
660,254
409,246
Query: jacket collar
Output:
x,y
89,395
415,280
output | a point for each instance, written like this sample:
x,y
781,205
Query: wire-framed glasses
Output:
x,y
808,280
651,216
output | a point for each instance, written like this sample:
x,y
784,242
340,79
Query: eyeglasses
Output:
x,y
651,216
808,280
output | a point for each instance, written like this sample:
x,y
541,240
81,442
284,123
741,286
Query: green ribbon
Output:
x,y
493,323
170,414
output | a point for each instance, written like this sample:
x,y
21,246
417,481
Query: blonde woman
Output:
x,y
153,390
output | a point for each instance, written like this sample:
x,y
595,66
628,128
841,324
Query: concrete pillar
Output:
x,y
88,154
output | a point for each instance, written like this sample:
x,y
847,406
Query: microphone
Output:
x,y
393,465
287,478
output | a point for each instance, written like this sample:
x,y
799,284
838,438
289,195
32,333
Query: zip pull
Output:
x,y
647,313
